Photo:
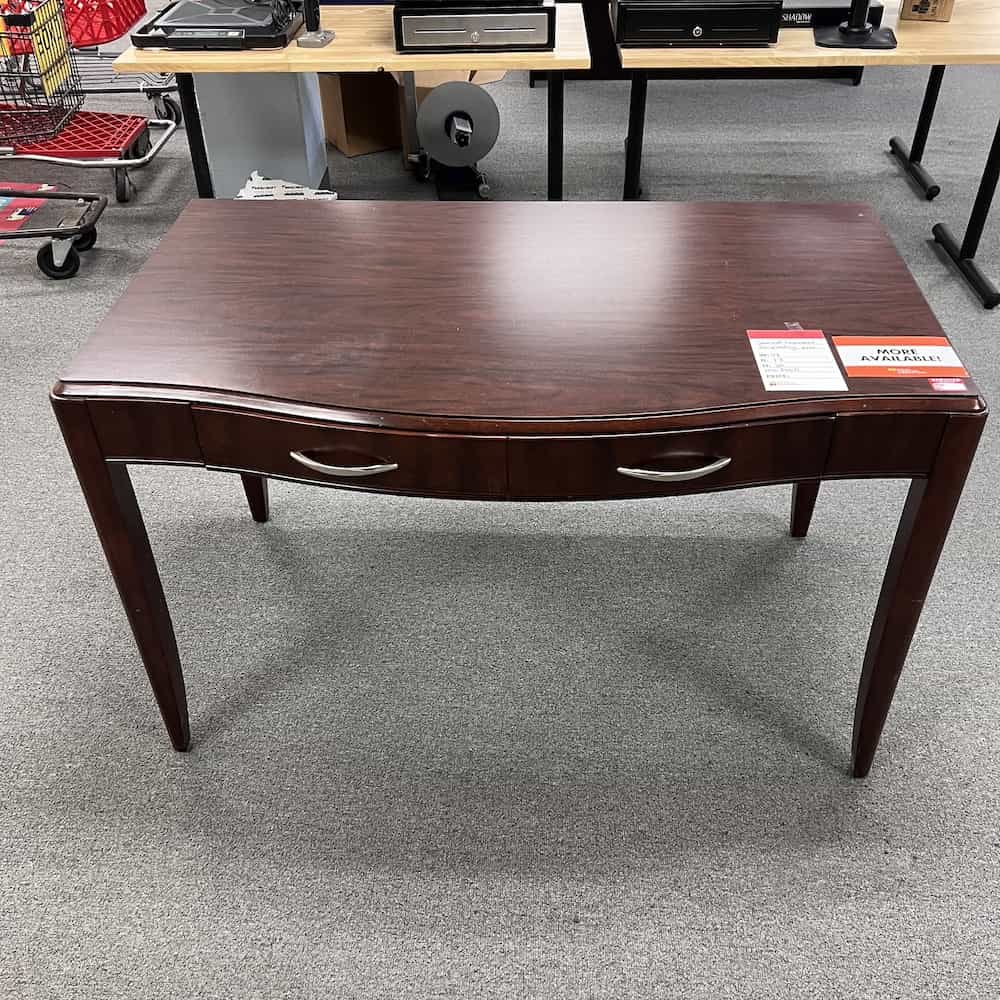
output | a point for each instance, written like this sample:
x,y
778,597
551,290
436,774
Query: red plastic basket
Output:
x,y
90,135
94,22
88,22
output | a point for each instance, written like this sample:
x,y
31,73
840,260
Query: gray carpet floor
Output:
x,y
459,750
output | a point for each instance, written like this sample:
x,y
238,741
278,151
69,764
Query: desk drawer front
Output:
x,y
352,458
692,461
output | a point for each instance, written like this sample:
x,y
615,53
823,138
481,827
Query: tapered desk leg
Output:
x,y
633,143
556,84
195,135
923,528
108,491
964,256
911,158
255,488
803,503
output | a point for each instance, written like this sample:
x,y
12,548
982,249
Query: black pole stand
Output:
x,y
555,166
910,158
856,32
313,37
964,256
195,135
633,143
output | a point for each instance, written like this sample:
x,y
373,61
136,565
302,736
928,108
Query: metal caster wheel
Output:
x,y
167,107
123,185
483,191
86,241
421,166
47,262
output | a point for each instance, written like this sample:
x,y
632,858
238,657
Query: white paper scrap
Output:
x,y
266,188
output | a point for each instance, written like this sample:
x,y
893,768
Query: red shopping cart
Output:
x,y
41,97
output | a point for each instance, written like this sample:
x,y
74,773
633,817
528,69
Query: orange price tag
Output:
x,y
899,357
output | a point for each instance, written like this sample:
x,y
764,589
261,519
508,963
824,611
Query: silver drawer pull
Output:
x,y
681,476
351,471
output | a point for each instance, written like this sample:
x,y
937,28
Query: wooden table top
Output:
x,y
508,315
972,36
364,44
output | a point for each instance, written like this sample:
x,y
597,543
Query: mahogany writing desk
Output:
x,y
512,352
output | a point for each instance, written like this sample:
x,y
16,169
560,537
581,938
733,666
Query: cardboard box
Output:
x,y
360,112
926,10
426,80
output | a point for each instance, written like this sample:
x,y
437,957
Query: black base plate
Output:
x,y
840,38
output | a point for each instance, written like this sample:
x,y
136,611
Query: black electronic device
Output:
x,y
457,26
221,24
857,32
696,23
824,13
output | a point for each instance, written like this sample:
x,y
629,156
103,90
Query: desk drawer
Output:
x,y
353,458
694,461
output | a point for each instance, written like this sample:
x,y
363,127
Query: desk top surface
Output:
x,y
972,36
580,314
364,44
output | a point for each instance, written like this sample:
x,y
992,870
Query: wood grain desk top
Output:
x,y
364,44
971,37
489,317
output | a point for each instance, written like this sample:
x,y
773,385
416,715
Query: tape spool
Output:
x,y
462,104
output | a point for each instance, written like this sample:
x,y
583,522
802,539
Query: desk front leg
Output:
x,y
923,528
111,499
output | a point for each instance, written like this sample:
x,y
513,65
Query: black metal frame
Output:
x,y
636,133
962,253
556,89
195,135
911,156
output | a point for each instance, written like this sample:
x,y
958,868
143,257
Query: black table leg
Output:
x,y
195,136
910,158
633,144
964,255
556,83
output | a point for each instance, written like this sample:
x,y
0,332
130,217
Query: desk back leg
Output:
x,y
803,502
111,499
255,488
923,528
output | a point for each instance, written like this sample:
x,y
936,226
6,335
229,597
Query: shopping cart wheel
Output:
x,y
47,263
141,146
168,108
123,185
86,241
